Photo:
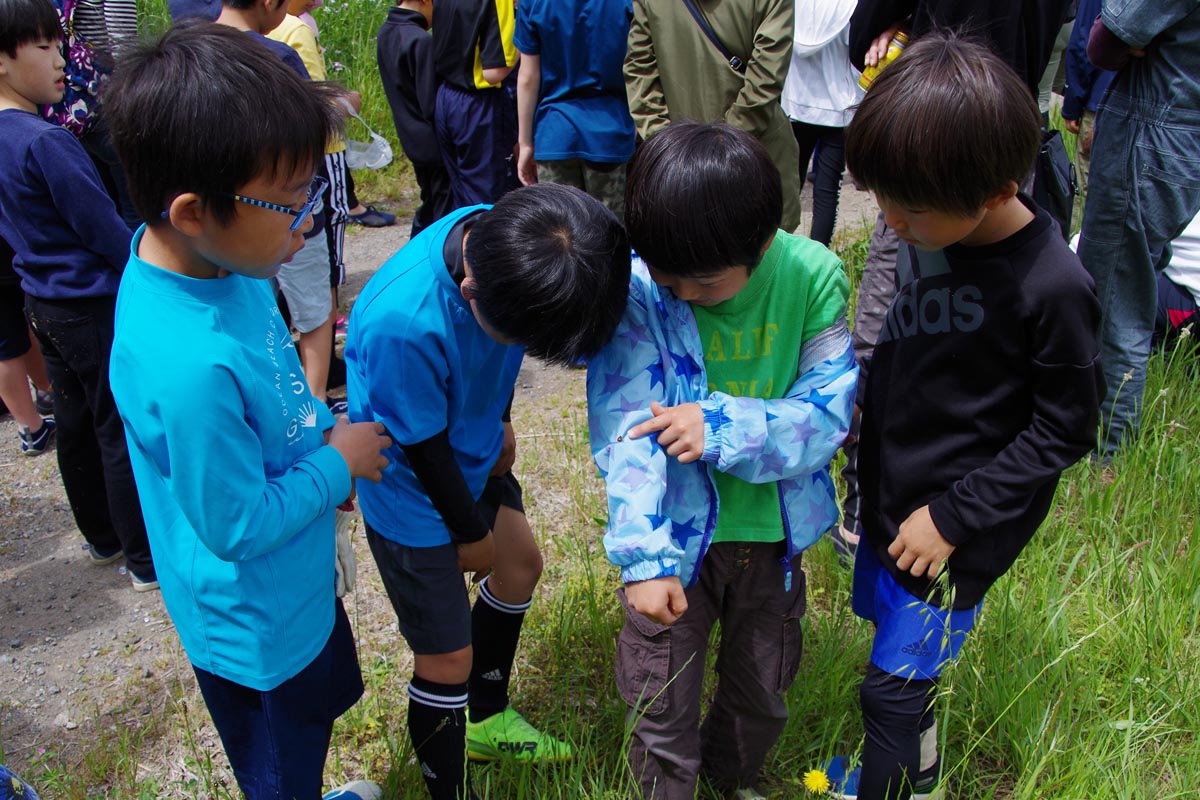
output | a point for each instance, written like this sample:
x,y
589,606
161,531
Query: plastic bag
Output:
x,y
373,154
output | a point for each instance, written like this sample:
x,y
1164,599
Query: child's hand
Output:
x,y
659,599
508,453
477,557
919,548
682,430
526,165
362,445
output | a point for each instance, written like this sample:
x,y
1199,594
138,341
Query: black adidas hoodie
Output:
x,y
985,385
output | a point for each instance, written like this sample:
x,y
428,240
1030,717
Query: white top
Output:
x,y
822,86
1184,269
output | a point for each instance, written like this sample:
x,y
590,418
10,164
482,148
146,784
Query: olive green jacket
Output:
x,y
672,72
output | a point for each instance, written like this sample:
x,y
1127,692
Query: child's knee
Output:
x,y
894,699
446,668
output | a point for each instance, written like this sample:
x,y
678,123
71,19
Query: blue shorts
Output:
x,y
277,740
913,639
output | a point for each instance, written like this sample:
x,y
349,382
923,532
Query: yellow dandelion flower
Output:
x,y
816,781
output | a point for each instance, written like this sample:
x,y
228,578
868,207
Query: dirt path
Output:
x,y
83,656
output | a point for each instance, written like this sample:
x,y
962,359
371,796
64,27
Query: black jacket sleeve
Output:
x,y
871,18
433,463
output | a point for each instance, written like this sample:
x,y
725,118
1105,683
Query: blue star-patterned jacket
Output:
x,y
662,513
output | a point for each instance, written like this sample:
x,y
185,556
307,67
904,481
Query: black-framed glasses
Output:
x,y
314,194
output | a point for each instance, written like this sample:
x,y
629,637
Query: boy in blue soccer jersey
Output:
x,y
729,386
238,465
435,345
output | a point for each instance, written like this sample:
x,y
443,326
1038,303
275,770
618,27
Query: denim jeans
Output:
x,y
76,338
1145,188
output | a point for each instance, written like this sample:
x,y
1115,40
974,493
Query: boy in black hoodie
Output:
x,y
985,384
404,50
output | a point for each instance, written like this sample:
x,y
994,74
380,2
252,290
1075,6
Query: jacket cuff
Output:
x,y
947,522
329,470
714,422
1072,108
649,570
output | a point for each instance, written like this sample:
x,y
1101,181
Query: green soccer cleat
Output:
x,y
509,736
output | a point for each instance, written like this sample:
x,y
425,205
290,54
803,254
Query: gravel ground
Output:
x,y
82,655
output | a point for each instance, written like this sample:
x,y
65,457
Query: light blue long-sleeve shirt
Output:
x,y
237,485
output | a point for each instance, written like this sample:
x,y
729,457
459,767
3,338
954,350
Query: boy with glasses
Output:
x,y
239,466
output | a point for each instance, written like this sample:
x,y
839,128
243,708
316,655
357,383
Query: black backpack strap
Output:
x,y
735,63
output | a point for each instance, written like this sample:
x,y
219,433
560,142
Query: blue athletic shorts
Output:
x,y
913,639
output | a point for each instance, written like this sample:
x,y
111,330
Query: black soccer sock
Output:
x,y
495,629
437,725
895,712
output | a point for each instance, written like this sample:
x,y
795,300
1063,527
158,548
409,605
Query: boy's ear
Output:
x,y
1003,196
467,287
186,214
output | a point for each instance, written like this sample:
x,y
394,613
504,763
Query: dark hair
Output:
x,y
701,198
551,271
945,127
24,21
207,109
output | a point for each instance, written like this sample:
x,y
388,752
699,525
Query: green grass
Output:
x,y
1082,679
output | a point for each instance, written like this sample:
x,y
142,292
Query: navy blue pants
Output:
x,y
476,132
277,740
436,197
1176,310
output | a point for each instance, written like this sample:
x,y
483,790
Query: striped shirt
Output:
x,y
107,25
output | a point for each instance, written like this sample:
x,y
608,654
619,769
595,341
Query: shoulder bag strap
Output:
x,y
735,63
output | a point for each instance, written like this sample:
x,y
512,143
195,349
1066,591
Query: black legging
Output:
x,y
895,712
831,163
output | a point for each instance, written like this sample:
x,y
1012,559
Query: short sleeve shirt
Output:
x,y
582,110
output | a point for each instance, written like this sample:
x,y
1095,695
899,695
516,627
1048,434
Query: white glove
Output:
x,y
345,566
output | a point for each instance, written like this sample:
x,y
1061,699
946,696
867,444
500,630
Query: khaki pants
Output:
x,y
660,673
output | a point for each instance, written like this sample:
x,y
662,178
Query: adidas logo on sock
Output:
x,y
918,649
493,675
427,772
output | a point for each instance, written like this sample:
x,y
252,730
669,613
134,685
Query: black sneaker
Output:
x,y
34,443
374,218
